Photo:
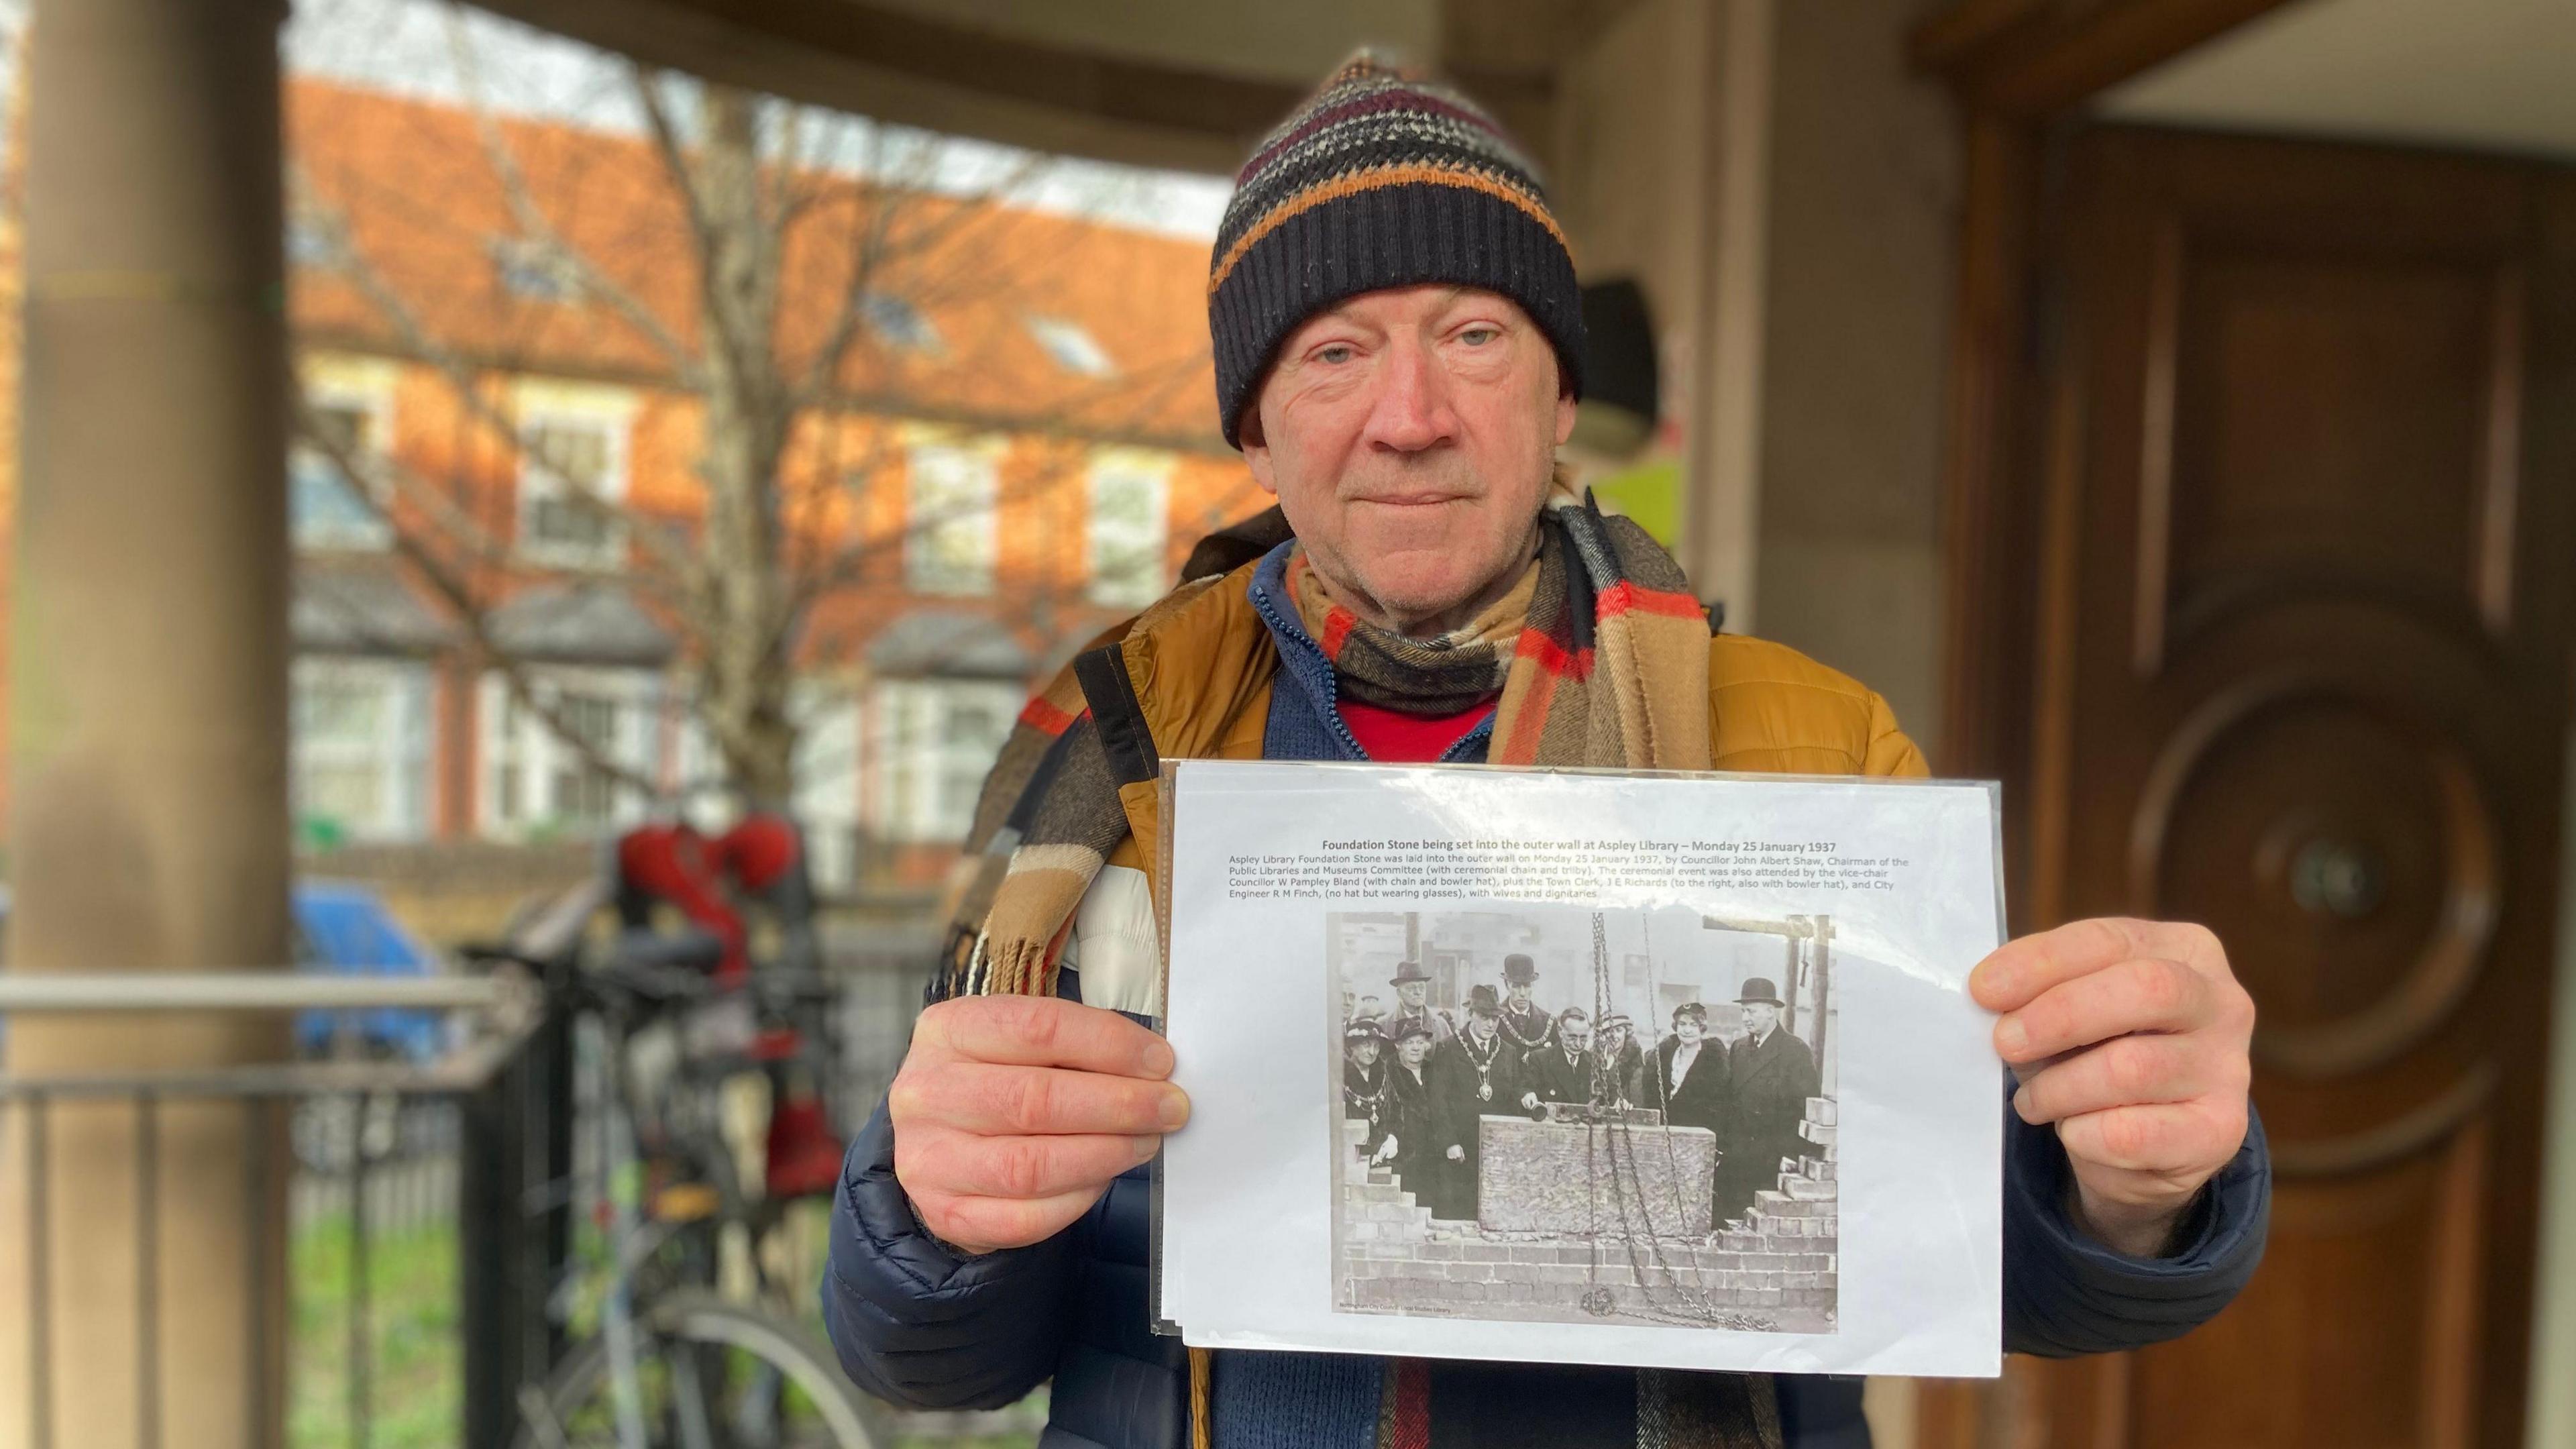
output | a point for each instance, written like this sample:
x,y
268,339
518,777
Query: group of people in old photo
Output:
x,y
1423,1081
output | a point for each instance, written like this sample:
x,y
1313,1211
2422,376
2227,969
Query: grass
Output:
x,y
415,1362
414,1359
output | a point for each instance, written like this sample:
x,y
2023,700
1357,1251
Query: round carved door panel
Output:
x,y
2344,851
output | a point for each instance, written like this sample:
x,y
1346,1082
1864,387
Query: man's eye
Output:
x,y
1335,353
1479,336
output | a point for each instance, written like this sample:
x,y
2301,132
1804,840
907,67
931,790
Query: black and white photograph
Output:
x,y
1599,1116
1582,1067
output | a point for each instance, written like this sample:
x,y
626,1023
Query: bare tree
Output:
x,y
798,230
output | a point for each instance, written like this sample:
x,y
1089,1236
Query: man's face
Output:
x,y
1577,1034
1520,991
1413,994
1481,1027
1410,434
1364,1051
1413,1049
1760,1017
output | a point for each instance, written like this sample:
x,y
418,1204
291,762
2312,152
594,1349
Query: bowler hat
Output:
x,y
1759,989
1480,1001
1409,971
1519,970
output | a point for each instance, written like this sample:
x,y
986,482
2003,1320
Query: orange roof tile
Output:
x,y
421,203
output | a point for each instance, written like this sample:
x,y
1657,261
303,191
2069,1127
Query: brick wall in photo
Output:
x,y
1774,1268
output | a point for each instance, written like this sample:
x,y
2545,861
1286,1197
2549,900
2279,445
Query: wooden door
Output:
x,y
2301,673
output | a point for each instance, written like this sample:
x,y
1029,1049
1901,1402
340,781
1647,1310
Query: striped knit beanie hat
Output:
x,y
1380,180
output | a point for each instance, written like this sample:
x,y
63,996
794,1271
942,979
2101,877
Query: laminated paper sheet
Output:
x,y
1783,1153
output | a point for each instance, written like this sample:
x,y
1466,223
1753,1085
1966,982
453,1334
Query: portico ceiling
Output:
x,y
1180,83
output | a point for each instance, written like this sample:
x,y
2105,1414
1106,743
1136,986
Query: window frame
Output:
x,y
910,750
612,412
366,387
516,258
520,741
922,572
914,333
1056,336
1153,472
403,756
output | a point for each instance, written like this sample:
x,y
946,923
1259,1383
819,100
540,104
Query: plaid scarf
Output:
x,y
1600,655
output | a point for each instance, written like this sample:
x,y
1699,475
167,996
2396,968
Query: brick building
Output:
x,y
1015,451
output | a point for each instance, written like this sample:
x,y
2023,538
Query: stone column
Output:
x,y
147,690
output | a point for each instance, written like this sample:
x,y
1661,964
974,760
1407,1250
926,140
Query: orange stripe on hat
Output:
x,y
1374,179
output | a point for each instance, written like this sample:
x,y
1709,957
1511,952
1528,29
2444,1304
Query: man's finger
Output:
x,y
2160,1138
1027,1167
2019,970
1044,1031
2127,1071
2136,995
986,1224
1042,1101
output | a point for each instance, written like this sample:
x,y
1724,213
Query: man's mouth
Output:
x,y
1424,499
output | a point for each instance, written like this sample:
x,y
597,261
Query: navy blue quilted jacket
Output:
x,y
920,1327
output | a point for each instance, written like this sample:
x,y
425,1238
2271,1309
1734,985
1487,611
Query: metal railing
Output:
x,y
352,1164
469,1139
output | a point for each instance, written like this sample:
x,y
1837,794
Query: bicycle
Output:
x,y
691,1343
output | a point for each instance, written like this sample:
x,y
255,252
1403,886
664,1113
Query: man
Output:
x,y
1525,1026
1620,1059
1398,342
1770,1075
1364,1079
1566,1071
1473,1076
1413,1002
1685,1079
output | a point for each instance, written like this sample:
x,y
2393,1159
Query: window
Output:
x,y
936,739
327,509
583,791
827,783
360,749
535,778
1125,541
312,241
529,269
899,322
562,459
1074,349
951,527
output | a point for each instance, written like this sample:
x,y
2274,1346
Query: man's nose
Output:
x,y
1412,411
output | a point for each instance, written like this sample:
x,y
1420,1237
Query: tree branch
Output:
x,y
462,381
360,476
534,224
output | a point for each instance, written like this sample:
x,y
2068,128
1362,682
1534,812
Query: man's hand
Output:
x,y
2132,1037
1012,1114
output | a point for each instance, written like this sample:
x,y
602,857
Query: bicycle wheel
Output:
x,y
709,1375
